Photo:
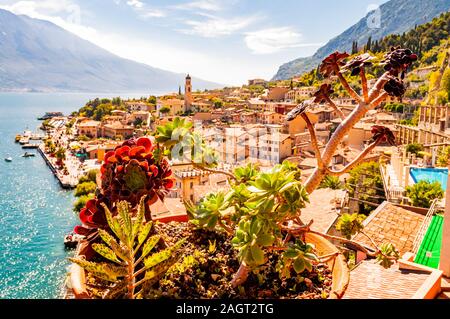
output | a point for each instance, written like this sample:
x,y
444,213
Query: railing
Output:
x,y
392,194
424,227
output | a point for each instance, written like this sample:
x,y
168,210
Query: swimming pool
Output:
x,y
430,174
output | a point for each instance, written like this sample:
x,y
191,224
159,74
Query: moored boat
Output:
x,y
8,159
28,154
71,240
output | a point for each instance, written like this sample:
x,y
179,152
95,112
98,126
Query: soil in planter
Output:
x,y
209,261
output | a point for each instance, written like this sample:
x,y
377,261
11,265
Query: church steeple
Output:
x,y
188,94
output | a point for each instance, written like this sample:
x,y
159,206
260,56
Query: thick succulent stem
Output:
x,y
357,160
375,91
365,89
131,279
314,142
347,86
335,107
316,177
240,277
214,171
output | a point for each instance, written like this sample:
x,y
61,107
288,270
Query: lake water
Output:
x,y
35,212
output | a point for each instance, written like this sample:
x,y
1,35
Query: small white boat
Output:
x,y
8,159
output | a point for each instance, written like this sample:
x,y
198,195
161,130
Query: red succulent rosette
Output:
x,y
331,64
398,60
92,217
383,134
131,171
127,174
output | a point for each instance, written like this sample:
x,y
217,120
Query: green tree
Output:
x,y
165,110
414,148
85,189
366,182
444,157
423,193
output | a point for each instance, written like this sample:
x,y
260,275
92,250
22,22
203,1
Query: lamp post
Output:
x,y
444,264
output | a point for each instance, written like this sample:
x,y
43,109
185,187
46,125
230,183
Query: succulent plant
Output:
x,y
131,171
128,173
357,63
323,93
398,60
383,134
331,63
129,269
395,87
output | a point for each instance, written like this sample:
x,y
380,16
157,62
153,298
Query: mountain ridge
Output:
x,y
397,16
39,56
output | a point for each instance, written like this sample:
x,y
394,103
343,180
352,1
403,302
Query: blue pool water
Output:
x,y
35,213
430,174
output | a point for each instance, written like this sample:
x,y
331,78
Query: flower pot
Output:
x,y
340,270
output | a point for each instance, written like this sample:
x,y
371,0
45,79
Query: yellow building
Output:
x,y
89,128
176,106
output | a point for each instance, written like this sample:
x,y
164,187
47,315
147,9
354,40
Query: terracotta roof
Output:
x,y
321,208
390,223
370,280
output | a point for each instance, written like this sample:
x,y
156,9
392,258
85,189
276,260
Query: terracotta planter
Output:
x,y
341,273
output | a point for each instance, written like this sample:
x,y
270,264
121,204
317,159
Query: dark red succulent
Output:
x,y
357,63
323,93
395,87
332,63
383,134
131,171
92,217
398,60
127,174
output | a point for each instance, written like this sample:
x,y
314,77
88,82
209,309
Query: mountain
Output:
x,y
37,55
397,16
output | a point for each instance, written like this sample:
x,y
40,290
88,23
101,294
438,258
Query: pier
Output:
x,y
65,181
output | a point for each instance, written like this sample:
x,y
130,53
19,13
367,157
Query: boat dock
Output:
x,y
65,181
30,146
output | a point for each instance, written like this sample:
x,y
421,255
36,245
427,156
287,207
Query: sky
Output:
x,y
225,41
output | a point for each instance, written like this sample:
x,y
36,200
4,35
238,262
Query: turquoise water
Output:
x,y
35,213
430,174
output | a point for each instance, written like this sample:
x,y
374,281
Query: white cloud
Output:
x,y
206,5
135,3
217,26
143,10
272,40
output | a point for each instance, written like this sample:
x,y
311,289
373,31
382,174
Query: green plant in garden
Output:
x,y
444,157
331,182
350,224
423,193
260,203
299,256
129,269
366,182
415,148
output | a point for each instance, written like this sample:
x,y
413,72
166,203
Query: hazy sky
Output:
x,y
226,41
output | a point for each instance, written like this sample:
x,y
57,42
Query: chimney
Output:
x,y
444,264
